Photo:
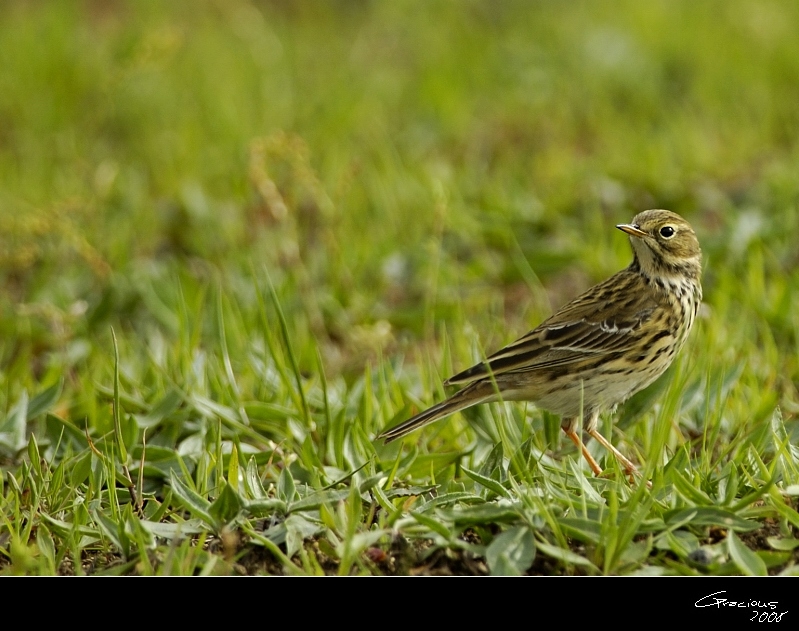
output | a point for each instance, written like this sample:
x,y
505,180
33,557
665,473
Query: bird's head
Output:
x,y
664,244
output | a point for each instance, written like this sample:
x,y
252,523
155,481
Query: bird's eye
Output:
x,y
667,232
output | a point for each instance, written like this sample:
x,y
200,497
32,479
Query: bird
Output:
x,y
599,349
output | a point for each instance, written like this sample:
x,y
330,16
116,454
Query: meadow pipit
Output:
x,y
601,348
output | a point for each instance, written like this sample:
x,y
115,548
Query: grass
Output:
x,y
237,240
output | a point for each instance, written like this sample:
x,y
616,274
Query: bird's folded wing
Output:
x,y
583,329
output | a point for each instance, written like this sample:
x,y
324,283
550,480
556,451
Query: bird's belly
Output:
x,y
576,395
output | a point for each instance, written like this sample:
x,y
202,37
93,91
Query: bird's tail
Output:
x,y
469,396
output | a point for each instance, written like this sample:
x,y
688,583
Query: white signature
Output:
x,y
760,608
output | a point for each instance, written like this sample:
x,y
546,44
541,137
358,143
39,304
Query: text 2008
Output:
x,y
767,616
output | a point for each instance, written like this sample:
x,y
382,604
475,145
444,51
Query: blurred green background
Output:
x,y
376,156
418,181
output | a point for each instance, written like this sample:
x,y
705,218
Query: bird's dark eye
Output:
x,y
667,232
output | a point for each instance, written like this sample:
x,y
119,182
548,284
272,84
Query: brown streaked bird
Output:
x,y
601,348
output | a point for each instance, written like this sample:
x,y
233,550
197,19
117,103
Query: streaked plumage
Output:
x,y
601,348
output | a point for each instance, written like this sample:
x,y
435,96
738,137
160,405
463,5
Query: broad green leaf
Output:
x,y
227,506
711,516
266,507
167,530
745,560
412,490
34,456
64,434
565,556
512,552
446,499
435,525
252,481
491,485
315,500
585,530
425,463
298,529
64,529
12,430
194,503
286,490
680,542
233,469
636,552
81,468
493,463
489,512
168,404
45,400
159,461
688,489
781,544
112,531
46,544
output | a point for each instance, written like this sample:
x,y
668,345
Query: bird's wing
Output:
x,y
601,321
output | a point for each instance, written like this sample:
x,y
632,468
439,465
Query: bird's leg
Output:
x,y
629,467
569,430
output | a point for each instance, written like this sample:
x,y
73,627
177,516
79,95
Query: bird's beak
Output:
x,y
632,230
